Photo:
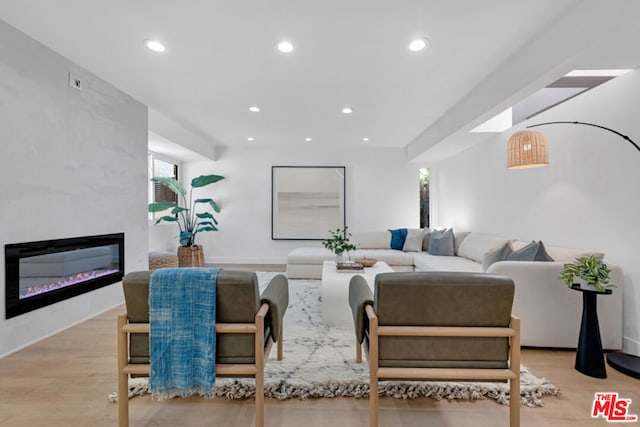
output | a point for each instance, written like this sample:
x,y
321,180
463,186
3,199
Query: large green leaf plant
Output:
x,y
184,212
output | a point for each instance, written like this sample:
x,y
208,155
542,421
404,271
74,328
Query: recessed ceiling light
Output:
x,y
365,139
308,139
347,110
254,109
418,44
285,46
250,139
154,45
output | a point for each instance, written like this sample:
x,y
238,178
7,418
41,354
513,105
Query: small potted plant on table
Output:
x,y
339,243
591,273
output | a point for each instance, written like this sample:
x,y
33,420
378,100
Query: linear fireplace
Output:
x,y
43,273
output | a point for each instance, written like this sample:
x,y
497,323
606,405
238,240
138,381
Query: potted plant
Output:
x,y
183,213
591,272
339,243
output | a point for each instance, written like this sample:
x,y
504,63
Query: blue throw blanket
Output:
x,y
182,337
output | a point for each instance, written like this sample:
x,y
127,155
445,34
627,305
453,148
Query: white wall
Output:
x,y
588,196
381,192
74,163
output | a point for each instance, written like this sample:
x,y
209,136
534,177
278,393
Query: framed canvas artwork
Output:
x,y
306,201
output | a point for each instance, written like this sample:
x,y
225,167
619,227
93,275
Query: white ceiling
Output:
x,y
221,59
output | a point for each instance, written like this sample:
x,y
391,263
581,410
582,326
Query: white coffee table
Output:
x,y
335,291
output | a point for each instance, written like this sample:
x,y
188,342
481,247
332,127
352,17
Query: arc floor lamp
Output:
x,y
528,149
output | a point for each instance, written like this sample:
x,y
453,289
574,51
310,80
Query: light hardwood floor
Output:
x,y
65,380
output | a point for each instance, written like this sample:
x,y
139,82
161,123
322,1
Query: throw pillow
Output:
x,y
534,251
397,238
441,242
425,241
413,242
496,254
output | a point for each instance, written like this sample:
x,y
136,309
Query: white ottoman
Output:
x,y
335,291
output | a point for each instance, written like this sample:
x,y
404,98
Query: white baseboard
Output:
x,y
631,346
246,260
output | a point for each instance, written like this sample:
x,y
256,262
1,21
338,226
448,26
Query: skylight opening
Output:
x,y
566,87
597,73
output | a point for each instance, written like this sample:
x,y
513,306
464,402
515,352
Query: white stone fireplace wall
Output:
x,y
74,164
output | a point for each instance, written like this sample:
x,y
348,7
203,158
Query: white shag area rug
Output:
x,y
319,362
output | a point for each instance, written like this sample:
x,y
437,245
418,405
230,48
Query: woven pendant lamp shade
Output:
x,y
527,149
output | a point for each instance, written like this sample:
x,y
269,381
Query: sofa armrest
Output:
x,y
542,269
277,296
551,312
359,297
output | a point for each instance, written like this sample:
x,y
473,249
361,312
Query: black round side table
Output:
x,y
590,357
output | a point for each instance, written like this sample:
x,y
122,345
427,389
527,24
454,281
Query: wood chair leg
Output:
x,y
281,337
373,368
514,384
358,352
373,401
260,361
123,379
260,398
514,402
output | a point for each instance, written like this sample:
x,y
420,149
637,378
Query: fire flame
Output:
x,y
64,282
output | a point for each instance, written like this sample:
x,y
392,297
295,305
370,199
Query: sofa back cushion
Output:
x,y
372,240
475,245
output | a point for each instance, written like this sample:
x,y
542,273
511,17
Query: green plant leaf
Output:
x,y
171,183
202,223
213,204
178,209
203,215
167,218
203,180
208,228
591,269
161,206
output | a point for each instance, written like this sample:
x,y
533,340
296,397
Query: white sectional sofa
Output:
x,y
550,312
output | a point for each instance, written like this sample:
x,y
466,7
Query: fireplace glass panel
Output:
x,y
43,273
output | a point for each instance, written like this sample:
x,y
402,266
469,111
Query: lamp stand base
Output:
x,y
625,363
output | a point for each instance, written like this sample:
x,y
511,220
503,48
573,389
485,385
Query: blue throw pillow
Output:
x,y
398,237
534,251
441,242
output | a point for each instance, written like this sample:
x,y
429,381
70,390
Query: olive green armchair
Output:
x,y
247,325
437,326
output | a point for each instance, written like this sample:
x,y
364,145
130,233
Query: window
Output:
x,y
166,167
424,198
